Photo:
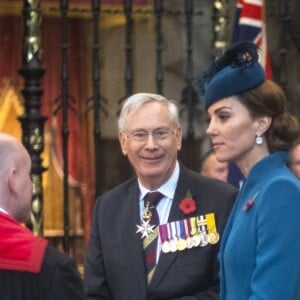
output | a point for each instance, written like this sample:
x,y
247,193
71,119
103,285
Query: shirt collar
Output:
x,y
3,211
168,188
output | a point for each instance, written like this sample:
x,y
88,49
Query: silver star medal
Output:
x,y
145,228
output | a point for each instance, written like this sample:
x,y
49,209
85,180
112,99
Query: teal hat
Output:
x,y
235,72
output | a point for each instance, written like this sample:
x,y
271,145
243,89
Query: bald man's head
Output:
x,y
15,180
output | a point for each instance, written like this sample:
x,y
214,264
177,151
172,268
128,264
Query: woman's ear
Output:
x,y
263,124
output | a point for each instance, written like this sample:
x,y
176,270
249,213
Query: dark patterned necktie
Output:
x,y
150,241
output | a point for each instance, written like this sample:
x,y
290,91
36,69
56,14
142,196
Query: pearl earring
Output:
x,y
258,139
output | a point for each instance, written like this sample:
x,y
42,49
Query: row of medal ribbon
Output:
x,y
188,233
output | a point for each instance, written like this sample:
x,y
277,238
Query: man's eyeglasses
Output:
x,y
159,134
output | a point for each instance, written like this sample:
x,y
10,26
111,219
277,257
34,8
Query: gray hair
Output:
x,y
134,102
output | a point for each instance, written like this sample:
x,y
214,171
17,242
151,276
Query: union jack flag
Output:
x,y
249,25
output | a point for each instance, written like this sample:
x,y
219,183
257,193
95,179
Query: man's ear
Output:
x,y
12,182
178,134
122,140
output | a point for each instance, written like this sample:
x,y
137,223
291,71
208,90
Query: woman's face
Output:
x,y
232,129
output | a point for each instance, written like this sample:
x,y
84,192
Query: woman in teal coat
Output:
x,y
250,126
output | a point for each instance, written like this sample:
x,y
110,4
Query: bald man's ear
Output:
x,y
12,181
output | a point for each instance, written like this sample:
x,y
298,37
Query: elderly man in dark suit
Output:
x,y
141,248
30,269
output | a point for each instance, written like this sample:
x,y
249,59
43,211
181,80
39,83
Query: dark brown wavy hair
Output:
x,y
268,99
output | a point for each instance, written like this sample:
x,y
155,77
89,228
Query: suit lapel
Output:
x,y
132,243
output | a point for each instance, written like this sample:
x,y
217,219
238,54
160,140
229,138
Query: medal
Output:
x,y
165,247
196,240
201,224
146,228
164,237
213,236
173,238
181,243
189,242
173,245
193,226
203,239
194,232
189,239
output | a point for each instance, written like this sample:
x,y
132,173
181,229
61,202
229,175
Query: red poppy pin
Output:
x,y
188,204
250,202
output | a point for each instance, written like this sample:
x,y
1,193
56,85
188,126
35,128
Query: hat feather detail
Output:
x,y
241,55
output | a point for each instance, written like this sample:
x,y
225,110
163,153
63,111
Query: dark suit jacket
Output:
x,y
114,266
57,280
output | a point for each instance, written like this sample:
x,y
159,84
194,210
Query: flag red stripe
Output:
x,y
252,11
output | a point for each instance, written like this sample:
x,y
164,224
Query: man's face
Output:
x,y
295,161
154,158
215,169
